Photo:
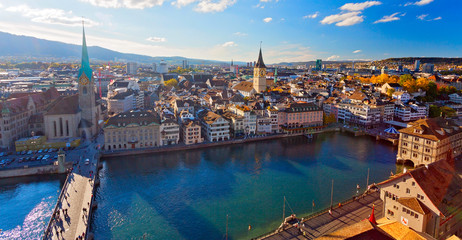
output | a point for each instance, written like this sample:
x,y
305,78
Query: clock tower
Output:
x,y
87,97
259,75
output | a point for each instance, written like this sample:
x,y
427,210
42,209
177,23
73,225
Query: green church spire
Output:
x,y
275,75
85,66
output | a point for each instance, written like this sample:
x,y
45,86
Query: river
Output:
x,y
187,195
26,204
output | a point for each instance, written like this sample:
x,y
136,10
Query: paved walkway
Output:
x,y
70,218
324,223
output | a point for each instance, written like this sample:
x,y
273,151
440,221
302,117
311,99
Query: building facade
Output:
x,y
214,127
429,140
131,130
191,132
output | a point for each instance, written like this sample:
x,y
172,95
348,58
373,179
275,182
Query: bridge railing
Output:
x,y
48,229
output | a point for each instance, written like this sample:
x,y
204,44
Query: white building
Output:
x,y
163,67
402,96
455,98
169,132
214,127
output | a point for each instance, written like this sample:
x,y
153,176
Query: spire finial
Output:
x,y
260,44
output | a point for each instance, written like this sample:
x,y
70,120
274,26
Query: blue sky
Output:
x,y
291,30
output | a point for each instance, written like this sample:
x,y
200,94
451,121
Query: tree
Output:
x,y
171,83
390,92
434,111
448,112
405,78
432,90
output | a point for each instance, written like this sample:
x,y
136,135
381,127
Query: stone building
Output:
x,y
169,132
131,130
18,110
259,75
429,140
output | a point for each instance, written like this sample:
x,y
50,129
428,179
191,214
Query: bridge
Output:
x,y
71,216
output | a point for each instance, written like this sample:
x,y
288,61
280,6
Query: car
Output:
x,y
40,151
39,157
21,160
29,152
45,157
87,161
50,150
23,152
2,154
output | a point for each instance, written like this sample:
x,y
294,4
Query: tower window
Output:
x,y
84,90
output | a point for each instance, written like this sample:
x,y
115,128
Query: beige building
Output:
x,y
429,140
214,127
63,118
191,132
130,130
427,199
18,110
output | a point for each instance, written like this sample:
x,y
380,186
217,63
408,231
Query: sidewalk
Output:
x,y
324,223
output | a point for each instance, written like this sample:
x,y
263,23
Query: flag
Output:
x,y
313,204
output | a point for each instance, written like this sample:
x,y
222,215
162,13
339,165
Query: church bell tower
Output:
x,y
87,95
259,75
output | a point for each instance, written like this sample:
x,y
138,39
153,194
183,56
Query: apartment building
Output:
x,y
169,132
191,132
214,127
429,140
300,115
410,112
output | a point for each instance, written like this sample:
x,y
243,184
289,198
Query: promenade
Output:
x,y
324,223
71,216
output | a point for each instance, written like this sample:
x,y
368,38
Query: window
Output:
x,y
84,90
408,190
414,155
427,150
416,215
404,152
413,183
428,142
416,147
404,209
416,139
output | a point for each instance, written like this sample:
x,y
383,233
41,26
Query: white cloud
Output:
x,y
206,6
240,34
353,7
182,3
350,15
229,44
422,17
344,19
388,18
403,14
419,3
437,18
267,20
265,0
312,16
333,58
357,51
156,39
134,4
50,16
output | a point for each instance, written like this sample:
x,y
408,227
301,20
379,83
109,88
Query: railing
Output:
x,y
48,228
90,208
316,214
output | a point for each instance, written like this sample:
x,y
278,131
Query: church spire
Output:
x,y
260,63
85,65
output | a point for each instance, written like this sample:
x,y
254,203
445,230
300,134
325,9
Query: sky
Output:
x,y
288,30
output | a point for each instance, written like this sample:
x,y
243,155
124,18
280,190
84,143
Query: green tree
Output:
x,y
432,90
405,78
448,112
434,111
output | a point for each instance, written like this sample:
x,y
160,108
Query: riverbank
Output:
x,y
172,148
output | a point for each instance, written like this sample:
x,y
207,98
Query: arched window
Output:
x,y
84,90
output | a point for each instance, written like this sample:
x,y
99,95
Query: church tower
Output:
x,y
259,75
87,95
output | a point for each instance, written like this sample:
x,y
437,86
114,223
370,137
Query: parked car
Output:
x,y
29,152
23,152
40,151
87,161
20,160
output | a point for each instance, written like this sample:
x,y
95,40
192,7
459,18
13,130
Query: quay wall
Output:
x,y
29,171
130,152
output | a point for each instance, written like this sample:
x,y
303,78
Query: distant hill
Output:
x,y
24,46
411,60
312,63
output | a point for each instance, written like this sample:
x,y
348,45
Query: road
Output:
x,y
324,223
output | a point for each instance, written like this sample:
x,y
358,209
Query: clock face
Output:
x,y
262,73
84,80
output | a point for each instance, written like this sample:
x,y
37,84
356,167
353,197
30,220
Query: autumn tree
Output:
x,y
171,83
